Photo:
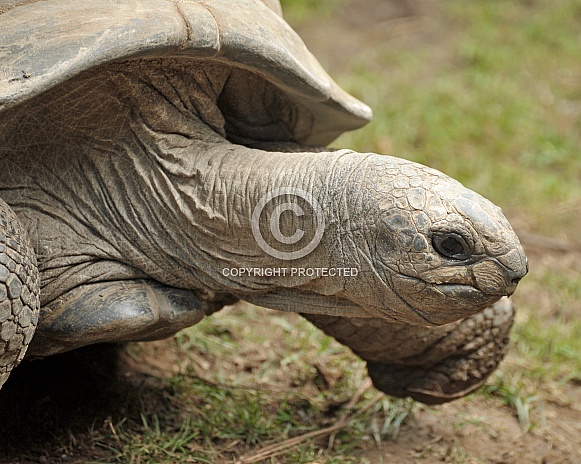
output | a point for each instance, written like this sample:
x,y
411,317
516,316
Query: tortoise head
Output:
x,y
440,251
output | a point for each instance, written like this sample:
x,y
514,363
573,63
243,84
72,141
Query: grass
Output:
x,y
499,112
493,98
236,403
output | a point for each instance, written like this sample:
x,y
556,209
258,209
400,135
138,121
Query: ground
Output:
x,y
489,92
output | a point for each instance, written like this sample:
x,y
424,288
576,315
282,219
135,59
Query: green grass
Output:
x,y
501,112
239,403
493,98
298,11
497,109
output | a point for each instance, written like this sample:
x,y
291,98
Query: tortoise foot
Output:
x,y
453,367
430,364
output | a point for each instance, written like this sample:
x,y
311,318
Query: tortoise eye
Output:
x,y
452,245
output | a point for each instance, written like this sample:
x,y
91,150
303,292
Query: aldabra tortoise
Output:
x,y
165,158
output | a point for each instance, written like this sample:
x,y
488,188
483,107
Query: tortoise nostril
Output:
x,y
516,280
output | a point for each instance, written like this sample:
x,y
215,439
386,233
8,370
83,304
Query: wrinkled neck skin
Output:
x,y
132,177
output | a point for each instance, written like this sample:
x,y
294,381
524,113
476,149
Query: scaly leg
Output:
x,y
430,364
19,292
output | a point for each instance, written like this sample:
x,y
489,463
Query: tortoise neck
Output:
x,y
207,189
251,216
145,185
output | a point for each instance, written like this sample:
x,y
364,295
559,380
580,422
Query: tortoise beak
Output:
x,y
514,277
494,277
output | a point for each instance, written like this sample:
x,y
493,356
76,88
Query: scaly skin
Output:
x,y
19,286
430,364
126,174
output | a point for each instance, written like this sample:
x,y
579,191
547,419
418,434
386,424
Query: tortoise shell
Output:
x,y
49,42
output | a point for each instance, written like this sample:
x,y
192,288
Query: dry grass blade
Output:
x,y
278,448
362,389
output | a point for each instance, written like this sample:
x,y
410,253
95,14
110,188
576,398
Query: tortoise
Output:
x,y
161,159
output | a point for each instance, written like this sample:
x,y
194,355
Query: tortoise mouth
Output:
x,y
449,302
468,293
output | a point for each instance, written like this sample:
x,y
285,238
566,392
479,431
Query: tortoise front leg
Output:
x,y
430,364
118,311
19,292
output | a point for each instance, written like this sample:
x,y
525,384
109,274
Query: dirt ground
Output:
x,y
51,404
48,395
